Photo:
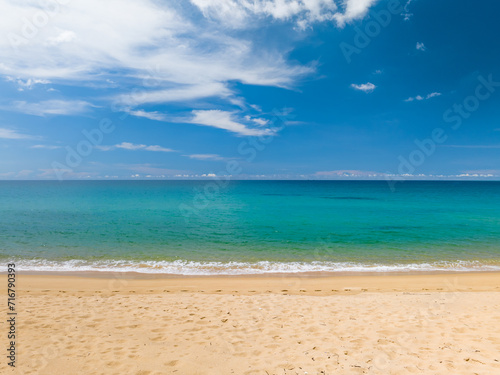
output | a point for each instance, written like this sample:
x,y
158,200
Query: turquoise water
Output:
x,y
199,227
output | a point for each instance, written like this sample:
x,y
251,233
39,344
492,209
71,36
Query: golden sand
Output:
x,y
411,324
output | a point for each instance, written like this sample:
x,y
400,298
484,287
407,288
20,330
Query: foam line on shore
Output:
x,y
192,268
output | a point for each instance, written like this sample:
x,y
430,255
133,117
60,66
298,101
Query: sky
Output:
x,y
249,89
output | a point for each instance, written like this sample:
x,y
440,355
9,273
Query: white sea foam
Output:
x,y
180,267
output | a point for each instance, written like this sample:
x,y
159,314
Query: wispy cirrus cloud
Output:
x,y
6,133
230,121
47,147
226,120
419,97
183,93
155,115
49,107
213,157
26,84
135,147
365,87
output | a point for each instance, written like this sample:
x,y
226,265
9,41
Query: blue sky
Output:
x,y
317,89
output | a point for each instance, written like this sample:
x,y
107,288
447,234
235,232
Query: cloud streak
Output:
x,y
12,134
134,147
46,147
213,157
419,97
225,120
27,84
50,107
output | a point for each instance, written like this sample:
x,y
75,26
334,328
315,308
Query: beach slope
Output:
x,y
122,324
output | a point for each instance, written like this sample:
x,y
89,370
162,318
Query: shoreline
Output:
x,y
184,268
311,274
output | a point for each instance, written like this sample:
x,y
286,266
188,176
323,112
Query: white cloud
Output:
x,y
149,115
12,134
432,95
304,13
354,9
48,147
135,147
365,87
215,118
159,42
153,45
49,107
406,12
64,36
224,120
158,149
346,173
163,52
239,13
419,97
179,94
27,84
482,172
420,46
68,174
206,157
256,120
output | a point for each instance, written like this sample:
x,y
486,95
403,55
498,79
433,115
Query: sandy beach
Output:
x,y
125,324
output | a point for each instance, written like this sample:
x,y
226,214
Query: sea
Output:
x,y
219,227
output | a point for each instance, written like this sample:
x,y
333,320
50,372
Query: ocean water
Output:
x,y
243,227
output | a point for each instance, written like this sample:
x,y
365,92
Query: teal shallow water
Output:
x,y
192,227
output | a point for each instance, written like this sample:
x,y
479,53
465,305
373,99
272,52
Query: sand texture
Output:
x,y
425,324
